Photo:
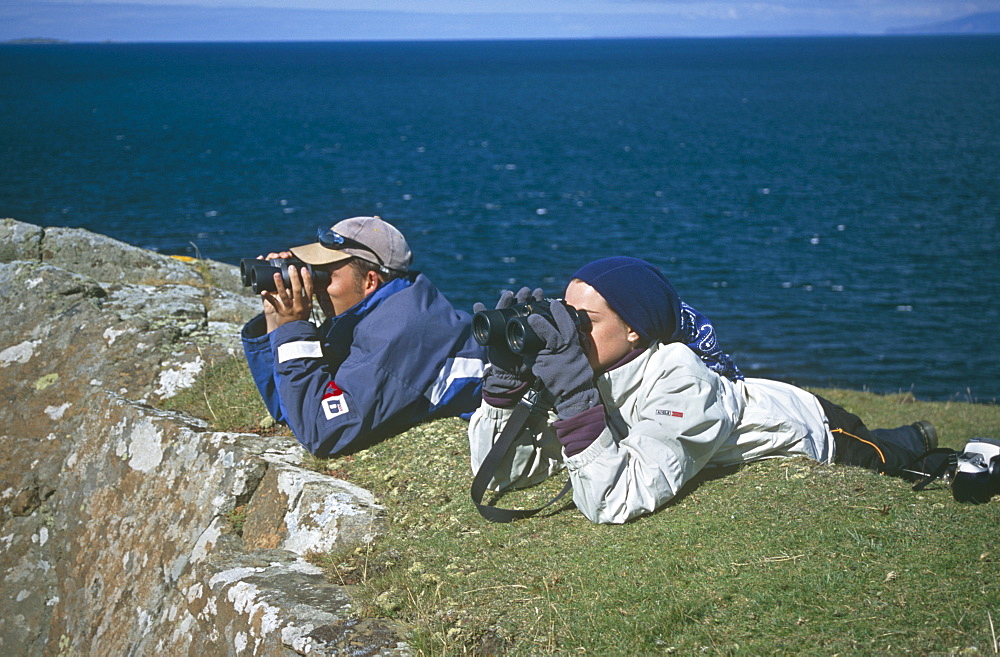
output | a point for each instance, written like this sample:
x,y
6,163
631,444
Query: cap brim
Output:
x,y
317,254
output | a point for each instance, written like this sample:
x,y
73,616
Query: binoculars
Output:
x,y
508,328
258,274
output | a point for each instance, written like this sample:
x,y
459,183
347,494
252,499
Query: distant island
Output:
x,y
336,25
34,40
982,23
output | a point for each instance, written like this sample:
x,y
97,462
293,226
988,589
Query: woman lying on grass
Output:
x,y
645,398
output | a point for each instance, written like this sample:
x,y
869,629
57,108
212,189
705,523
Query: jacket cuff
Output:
x,y
255,330
578,432
293,331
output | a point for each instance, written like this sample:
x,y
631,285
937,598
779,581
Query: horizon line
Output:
x,y
28,41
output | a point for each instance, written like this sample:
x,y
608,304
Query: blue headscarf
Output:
x,y
646,301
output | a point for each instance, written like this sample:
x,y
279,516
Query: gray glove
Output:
x,y
507,372
561,364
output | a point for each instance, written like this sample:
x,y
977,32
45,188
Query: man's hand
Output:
x,y
287,304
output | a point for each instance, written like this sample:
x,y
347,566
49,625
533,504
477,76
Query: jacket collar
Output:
x,y
340,329
370,302
619,382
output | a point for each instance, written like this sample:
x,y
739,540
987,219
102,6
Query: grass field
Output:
x,y
777,557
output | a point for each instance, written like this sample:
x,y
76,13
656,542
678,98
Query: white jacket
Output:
x,y
667,417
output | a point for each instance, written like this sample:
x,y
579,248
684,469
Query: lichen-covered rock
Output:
x,y
303,511
106,259
19,241
114,516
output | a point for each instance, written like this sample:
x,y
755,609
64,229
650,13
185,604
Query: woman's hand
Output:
x,y
561,364
507,372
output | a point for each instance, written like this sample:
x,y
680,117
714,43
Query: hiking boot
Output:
x,y
927,433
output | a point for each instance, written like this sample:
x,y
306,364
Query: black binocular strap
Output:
x,y
949,460
525,417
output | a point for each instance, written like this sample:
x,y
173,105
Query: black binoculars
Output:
x,y
258,274
508,328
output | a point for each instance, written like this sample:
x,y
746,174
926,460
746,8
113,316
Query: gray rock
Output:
x,y
19,241
110,261
115,535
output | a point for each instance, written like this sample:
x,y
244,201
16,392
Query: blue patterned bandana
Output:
x,y
697,332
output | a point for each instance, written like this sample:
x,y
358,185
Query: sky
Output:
x,y
339,20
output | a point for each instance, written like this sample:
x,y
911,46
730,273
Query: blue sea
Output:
x,y
831,203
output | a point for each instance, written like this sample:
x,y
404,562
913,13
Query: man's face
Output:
x,y
347,288
608,338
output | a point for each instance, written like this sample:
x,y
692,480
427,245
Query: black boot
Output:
x,y
903,448
929,434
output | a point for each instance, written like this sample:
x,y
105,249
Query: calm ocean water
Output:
x,y
831,203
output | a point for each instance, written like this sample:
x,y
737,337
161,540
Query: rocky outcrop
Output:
x,y
115,535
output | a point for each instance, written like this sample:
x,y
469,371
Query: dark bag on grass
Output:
x,y
973,473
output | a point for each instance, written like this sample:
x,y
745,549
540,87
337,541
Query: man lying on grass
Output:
x,y
392,352
644,400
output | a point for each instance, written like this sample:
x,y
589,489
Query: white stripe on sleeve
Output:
x,y
301,349
454,368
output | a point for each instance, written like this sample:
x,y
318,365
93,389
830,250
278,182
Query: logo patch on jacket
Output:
x,y
660,411
334,403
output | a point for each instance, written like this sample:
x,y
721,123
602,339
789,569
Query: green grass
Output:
x,y
225,395
777,557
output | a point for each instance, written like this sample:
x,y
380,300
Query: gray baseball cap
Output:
x,y
368,238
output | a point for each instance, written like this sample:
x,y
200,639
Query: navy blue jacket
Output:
x,y
401,356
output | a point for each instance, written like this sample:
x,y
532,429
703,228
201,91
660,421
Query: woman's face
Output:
x,y
606,338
